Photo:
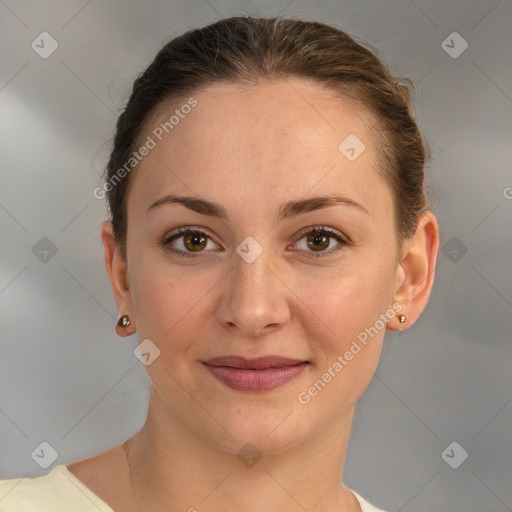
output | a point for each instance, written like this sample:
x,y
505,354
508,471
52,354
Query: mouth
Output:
x,y
260,374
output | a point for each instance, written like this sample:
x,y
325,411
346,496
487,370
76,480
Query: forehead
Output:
x,y
276,138
273,106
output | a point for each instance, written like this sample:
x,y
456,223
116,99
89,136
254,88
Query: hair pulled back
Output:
x,y
244,50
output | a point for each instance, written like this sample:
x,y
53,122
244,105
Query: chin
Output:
x,y
269,430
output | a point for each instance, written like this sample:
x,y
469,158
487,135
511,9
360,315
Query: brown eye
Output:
x,y
318,239
194,241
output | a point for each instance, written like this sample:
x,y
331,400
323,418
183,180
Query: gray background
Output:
x,y
67,379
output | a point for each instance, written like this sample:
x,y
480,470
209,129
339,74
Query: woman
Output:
x,y
268,225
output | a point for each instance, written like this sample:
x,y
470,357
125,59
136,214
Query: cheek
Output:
x,y
348,354
348,299
347,329
348,315
166,304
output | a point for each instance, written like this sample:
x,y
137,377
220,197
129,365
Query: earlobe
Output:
x,y
416,270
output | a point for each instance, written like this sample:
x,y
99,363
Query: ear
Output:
x,y
416,270
117,271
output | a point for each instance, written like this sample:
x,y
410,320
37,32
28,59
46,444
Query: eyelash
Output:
x,y
320,230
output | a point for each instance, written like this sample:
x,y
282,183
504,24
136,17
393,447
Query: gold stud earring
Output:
x,y
402,319
124,321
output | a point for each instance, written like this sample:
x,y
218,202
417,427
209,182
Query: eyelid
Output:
x,y
323,229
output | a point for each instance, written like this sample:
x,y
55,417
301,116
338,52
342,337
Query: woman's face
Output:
x,y
257,283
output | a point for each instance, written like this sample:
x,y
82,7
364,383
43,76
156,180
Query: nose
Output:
x,y
254,297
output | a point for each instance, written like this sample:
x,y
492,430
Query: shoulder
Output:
x,y
366,506
58,489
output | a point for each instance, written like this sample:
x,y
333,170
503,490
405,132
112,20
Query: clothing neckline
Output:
x,y
105,507
89,492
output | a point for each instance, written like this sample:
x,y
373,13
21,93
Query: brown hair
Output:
x,y
243,49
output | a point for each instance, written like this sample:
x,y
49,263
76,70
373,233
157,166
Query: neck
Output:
x,y
174,468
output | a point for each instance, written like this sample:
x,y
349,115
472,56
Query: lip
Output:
x,y
259,374
258,363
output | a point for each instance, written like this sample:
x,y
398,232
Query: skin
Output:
x,y
264,145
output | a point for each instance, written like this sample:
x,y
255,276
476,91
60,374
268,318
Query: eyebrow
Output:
x,y
287,210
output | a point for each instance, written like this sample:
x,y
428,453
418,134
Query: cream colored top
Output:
x,y
59,490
